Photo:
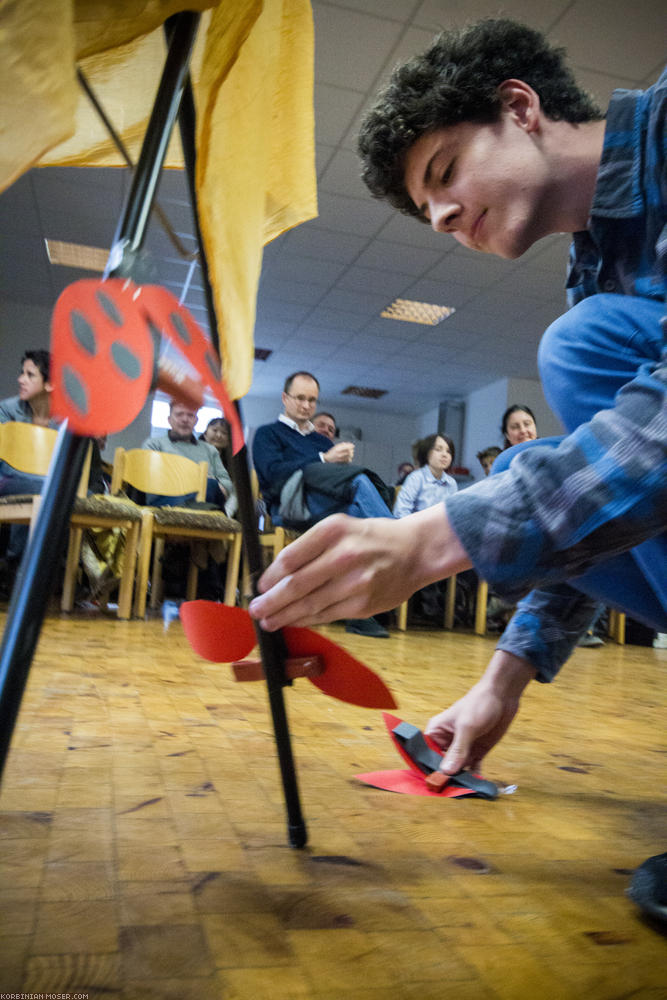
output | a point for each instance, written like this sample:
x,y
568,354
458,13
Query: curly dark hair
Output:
x,y
456,80
422,448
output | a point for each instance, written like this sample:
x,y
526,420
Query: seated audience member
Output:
x,y
325,423
518,425
31,406
425,487
487,457
181,440
217,434
429,484
403,471
304,477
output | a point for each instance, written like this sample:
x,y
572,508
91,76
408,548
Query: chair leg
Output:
x,y
143,562
71,567
193,578
233,563
450,600
129,567
480,610
402,622
157,585
617,626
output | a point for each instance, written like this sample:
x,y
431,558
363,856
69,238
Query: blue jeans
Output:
x,y
366,502
13,483
585,358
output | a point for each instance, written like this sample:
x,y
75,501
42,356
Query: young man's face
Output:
x,y
182,421
31,381
487,185
300,402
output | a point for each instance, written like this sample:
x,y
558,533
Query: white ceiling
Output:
x,y
323,284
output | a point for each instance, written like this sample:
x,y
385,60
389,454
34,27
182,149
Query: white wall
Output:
x,y
23,327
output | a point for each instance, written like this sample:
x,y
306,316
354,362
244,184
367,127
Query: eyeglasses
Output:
x,y
311,400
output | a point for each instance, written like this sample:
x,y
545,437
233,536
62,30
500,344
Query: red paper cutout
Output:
x,y
218,632
104,353
103,357
222,634
408,783
344,677
413,781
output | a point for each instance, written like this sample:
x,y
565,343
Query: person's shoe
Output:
x,y
591,640
648,888
660,641
366,626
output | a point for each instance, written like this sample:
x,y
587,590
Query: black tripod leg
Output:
x,y
35,579
271,645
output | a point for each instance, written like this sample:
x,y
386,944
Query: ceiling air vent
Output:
x,y
364,391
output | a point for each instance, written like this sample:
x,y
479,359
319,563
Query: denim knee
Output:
x,y
590,352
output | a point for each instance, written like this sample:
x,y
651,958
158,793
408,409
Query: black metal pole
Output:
x,y
272,645
35,579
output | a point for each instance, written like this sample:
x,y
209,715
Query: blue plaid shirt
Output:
x,y
557,512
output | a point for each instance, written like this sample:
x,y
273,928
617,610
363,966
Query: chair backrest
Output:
x,y
158,472
28,448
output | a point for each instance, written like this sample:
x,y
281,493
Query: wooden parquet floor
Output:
x,y
144,851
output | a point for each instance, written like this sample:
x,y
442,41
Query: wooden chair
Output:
x,y
28,448
173,475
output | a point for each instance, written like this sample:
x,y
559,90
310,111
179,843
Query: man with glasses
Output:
x,y
304,476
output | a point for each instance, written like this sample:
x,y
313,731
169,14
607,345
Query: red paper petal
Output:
x,y
408,783
344,677
218,632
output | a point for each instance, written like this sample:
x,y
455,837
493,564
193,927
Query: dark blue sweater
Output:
x,y
278,451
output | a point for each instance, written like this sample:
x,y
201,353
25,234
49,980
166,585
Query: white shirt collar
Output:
x,y
309,428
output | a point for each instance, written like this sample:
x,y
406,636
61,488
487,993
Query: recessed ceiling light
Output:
x,y
77,255
364,391
417,312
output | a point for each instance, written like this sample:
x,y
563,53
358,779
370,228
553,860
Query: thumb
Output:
x,y
456,756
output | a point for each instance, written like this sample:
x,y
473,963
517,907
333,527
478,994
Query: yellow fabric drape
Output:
x,y
252,78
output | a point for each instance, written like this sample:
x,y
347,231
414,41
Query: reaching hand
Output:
x,y
349,567
476,722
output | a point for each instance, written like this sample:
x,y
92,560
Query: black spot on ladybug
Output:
x,y
180,327
109,308
75,390
83,333
213,366
125,360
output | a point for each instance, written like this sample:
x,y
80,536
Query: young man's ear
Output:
x,y
48,386
521,102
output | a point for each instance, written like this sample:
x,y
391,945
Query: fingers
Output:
x,y
458,754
